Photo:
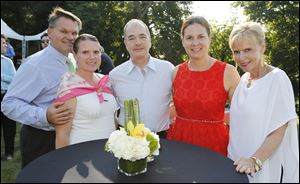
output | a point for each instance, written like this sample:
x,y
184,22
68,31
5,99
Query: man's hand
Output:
x,y
227,117
57,113
172,110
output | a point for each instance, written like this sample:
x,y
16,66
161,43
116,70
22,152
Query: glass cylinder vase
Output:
x,y
132,168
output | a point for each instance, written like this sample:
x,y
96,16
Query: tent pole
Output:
x,y
23,48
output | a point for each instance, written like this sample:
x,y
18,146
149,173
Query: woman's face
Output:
x,y
88,56
248,54
196,41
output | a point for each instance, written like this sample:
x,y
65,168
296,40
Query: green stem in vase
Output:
x,y
131,114
125,114
138,111
135,113
131,168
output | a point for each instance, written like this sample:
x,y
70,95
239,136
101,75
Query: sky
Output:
x,y
221,11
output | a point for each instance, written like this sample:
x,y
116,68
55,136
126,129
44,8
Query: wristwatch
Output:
x,y
257,164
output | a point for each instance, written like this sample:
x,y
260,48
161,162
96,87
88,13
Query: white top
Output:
x,y
255,113
152,87
93,120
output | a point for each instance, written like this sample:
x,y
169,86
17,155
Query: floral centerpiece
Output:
x,y
133,143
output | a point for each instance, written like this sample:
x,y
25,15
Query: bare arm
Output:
x,y
63,130
231,80
171,106
270,144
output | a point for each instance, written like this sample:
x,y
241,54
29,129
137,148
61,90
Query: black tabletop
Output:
x,y
88,162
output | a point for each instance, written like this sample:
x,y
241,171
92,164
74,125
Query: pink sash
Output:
x,y
73,85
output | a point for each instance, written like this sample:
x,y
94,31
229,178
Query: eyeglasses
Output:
x,y
45,41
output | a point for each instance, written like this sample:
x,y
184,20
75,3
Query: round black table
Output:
x,y
88,162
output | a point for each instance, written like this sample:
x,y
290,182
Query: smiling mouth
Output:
x,y
244,64
196,50
138,49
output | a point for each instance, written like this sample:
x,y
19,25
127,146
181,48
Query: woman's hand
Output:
x,y
244,165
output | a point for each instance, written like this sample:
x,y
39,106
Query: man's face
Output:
x,y
137,41
3,45
63,35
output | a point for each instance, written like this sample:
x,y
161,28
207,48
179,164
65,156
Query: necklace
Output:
x,y
249,82
263,74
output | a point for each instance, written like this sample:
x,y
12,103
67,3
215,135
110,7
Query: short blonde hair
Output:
x,y
58,13
253,31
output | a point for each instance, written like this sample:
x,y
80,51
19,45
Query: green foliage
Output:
x,y
106,20
153,143
165,22
27,18
219,47
281,20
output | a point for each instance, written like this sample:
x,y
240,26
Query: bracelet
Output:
x,y
257,164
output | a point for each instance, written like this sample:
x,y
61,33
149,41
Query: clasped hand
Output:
x,y
58,114
244,165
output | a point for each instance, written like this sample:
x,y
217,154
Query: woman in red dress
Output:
x,y
201,87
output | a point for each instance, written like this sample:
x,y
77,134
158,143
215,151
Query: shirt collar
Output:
x,y
149,65
58,55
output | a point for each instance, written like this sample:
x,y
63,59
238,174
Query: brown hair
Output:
x,y
83,37
4,36
195,20
59,12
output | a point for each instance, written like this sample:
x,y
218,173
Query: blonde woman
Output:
x,y
263,134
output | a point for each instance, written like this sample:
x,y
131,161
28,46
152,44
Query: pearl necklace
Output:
x,y
263,74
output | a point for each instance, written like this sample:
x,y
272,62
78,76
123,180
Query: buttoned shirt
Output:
x,y
152,86
34,88
7,72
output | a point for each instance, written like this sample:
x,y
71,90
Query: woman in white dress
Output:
x,y
263,133
88,95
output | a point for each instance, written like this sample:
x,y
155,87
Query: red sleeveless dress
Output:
x,y
200,98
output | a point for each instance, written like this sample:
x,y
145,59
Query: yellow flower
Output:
x,y
130,126
137,131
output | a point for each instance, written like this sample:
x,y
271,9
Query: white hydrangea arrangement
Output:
x,y
134,141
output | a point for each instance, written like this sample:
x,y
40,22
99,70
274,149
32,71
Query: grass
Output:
x,y
10,169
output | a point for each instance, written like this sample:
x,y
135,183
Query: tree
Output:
x,y
106,19
162,17
219,47
281,19
27,18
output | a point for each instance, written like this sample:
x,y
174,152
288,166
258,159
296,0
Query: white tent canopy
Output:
x,y
10,33
5,29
